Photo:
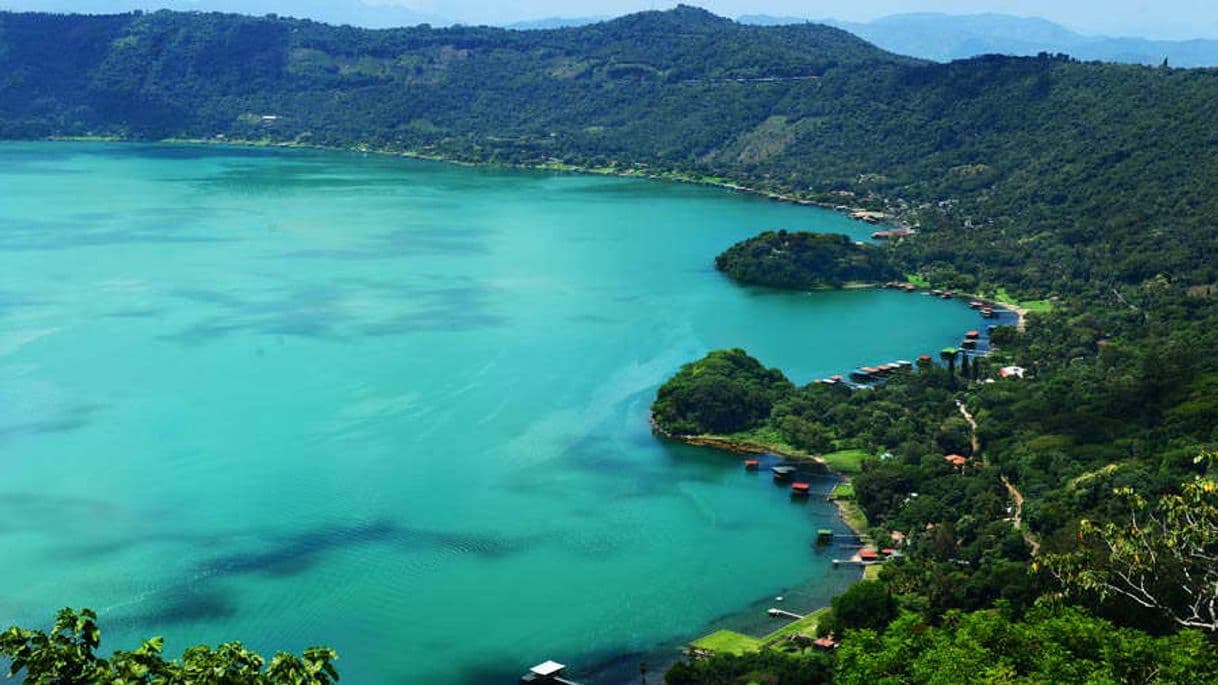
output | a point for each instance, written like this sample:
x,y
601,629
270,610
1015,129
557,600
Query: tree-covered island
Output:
x,y
805,261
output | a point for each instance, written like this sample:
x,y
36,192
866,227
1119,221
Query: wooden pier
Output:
x,y
779,613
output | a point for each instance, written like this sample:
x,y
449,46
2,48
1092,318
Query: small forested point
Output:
x,y
805,261
66,655
726,392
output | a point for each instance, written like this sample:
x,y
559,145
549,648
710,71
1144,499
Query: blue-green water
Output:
x,y
395,407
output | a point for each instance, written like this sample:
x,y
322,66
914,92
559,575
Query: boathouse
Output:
x,y
783,472
546,672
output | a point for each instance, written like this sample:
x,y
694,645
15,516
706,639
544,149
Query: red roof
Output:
x,y
825,642
868,554
956,460
925,358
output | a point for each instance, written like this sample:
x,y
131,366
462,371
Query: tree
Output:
x,y
1164,558
865,605
949,355
65,656
1051,645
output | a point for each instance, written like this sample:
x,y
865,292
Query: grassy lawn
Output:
x,y
727,642
917,280
846,461
1038,306
806,625
871,572
842,491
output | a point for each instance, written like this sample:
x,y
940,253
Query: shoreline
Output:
x,y
748,448
865,215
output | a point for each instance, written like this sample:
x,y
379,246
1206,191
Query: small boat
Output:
x,y
973,335
801,489
976,304
783,472
987,312
752,464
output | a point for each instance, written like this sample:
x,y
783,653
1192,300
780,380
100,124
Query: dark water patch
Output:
x,y
178,605
436,320
65,421
406,243
298,553
487,673
590,318
11,302
48,235
312,311
136,313
321,312
294,554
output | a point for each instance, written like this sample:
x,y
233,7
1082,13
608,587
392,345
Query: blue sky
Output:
x,y
1150,18
1146,18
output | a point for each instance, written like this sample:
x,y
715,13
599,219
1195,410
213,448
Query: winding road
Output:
x,y
1016,495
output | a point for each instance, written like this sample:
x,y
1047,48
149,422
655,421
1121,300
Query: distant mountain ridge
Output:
x,y
554,23
946,37
337,12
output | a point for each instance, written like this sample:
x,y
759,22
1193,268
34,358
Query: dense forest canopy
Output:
x,y
805,261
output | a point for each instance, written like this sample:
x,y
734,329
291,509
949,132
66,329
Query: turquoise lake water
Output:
x,y
395,407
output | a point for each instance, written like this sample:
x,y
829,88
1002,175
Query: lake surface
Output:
x,y
395,407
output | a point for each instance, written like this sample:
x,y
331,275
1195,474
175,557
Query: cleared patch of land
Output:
x,y
846,462
727,642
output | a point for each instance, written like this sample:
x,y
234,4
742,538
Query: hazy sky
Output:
x,y
1150,18
1145,18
